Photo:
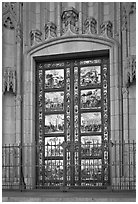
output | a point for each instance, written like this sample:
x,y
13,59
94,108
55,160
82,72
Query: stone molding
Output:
x,y
106,29
90,25
50,30
74,38
9,80
70,17
35,36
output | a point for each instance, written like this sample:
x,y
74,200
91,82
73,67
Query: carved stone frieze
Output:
x,y
50,30
9,80
106,29
90,25
35,37
131,70
69,19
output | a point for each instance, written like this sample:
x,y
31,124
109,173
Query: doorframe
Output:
x,y
55,48
72,57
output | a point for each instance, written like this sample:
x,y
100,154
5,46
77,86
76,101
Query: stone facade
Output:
x,y
33,29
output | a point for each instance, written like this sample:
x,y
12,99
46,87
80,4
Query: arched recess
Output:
x,y
68,45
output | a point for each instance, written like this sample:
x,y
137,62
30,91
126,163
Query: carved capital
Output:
x,y
9,80
35,36
50,30
70,21
106,29
90,26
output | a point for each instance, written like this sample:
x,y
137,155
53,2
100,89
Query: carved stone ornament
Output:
x,y
124,19
18,99
127,9
90,26
50,30
131,69
19,33
35,37
106,29
70,21
9,80
8,22
132,7
9,14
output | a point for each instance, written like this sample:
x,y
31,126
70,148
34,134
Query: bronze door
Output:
x,y
73,123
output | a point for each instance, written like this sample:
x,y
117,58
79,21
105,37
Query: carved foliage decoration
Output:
x,y
127,9
106,29
131,70
8,22
70,21
35,36
9,14
90,26
9,80
124,19
70,26
50,30
19,32
132,7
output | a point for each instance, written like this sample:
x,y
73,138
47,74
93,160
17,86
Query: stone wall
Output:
x,y
31,24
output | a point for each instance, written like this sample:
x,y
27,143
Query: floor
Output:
x,y
70,196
